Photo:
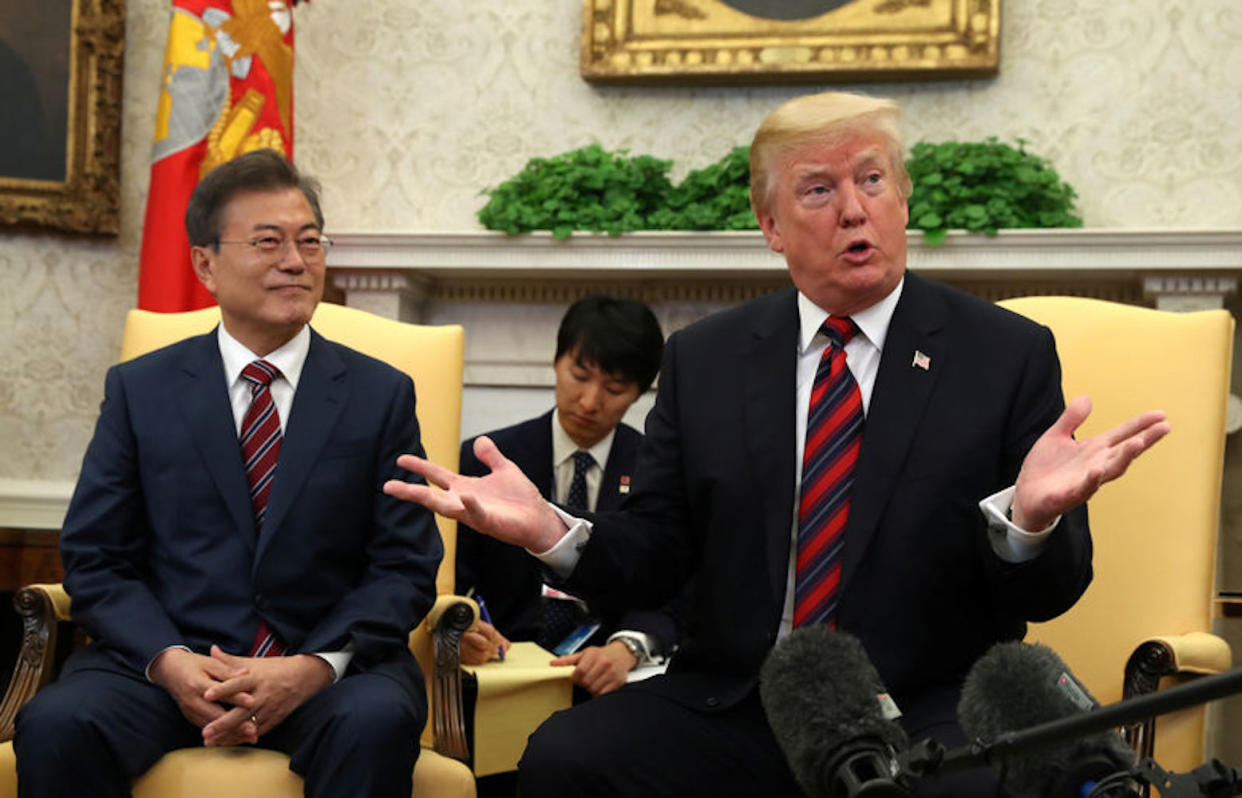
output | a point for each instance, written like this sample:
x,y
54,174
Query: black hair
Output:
x,y
620,336
260,170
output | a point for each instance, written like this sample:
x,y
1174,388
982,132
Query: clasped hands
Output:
x,y
236,700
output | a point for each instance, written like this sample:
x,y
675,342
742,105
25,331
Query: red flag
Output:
x,y
227,89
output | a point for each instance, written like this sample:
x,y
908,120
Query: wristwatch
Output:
x,y
635,646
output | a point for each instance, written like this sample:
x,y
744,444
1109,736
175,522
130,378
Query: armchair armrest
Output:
x,y
40,607
449,617
1194,653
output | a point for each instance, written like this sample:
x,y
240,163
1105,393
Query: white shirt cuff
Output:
x,y
1011,542
563,557
644,641
147,670
337,660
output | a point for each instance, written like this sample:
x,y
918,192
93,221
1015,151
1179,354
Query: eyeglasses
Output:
x,y
312,248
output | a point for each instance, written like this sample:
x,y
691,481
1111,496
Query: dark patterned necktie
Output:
x,y
561,616
260,443
833,434
577,498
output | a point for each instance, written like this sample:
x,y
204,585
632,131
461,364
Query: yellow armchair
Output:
x,y
432,356
1148,613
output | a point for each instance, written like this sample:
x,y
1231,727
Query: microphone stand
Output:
x,y
928,757
1212,779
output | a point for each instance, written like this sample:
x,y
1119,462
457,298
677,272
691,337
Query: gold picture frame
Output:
x,y
716,41
79,105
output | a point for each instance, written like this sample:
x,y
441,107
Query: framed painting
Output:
x,y
735,41
60,102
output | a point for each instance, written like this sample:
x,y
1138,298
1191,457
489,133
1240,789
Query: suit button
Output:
x,y
260,601
713,702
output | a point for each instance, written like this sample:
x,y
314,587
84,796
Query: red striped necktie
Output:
x,y
833,435
260,443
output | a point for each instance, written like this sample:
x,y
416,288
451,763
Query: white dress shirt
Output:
x,y
563,449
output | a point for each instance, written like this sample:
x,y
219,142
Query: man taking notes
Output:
x,y
581,456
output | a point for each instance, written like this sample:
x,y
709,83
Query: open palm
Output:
x,y
1060,473
503,504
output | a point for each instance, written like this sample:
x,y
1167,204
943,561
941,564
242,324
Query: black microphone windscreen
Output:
x,y
1015,686
820,692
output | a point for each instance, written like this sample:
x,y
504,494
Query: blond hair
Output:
x,y
823,119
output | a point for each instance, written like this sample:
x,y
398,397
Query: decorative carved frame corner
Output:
x,y
704,41
88,200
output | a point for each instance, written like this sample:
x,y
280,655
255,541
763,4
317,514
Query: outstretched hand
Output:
x,y
503,504
1060,473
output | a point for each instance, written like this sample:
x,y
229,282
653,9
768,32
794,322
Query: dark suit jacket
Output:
x,y
506,576
159,542
921,586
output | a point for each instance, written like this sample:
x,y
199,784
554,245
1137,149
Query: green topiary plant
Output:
x,y
716,197
584,189
984,186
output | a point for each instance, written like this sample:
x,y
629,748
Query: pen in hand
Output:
x,y
486,617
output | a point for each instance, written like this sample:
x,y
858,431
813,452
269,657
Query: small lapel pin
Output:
x,y
921,361
625,484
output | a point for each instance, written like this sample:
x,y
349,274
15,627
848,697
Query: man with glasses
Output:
x,y
242,578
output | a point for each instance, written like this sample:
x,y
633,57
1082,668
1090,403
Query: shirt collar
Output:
x,y
872,322
563,446
289,358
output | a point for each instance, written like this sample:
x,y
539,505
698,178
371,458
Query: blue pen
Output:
x,y
486,617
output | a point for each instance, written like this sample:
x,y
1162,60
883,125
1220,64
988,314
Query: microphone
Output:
x,y
1016,686
832,716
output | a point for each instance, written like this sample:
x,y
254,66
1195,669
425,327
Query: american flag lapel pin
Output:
x,y
921,361
624,487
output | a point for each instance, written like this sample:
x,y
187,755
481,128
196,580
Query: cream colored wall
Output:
x,y
406,110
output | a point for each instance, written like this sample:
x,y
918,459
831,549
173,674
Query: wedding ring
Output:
x,y
254,719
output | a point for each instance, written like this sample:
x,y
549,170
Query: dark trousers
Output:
x,y
94,731
635,742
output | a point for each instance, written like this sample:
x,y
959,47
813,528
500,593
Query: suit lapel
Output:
x,y
620,461
898,401
769,365
537,454
204,401
317,403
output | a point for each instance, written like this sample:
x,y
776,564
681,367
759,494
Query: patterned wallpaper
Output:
x,y
406,110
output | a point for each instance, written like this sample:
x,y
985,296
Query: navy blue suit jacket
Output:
x,y
159,542
921,586
506,576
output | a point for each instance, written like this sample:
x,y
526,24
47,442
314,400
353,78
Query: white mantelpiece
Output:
x,y
509,291
1180,268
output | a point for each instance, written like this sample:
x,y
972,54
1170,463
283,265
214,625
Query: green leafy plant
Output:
x,y
985,186
584,189
716,197
980,186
